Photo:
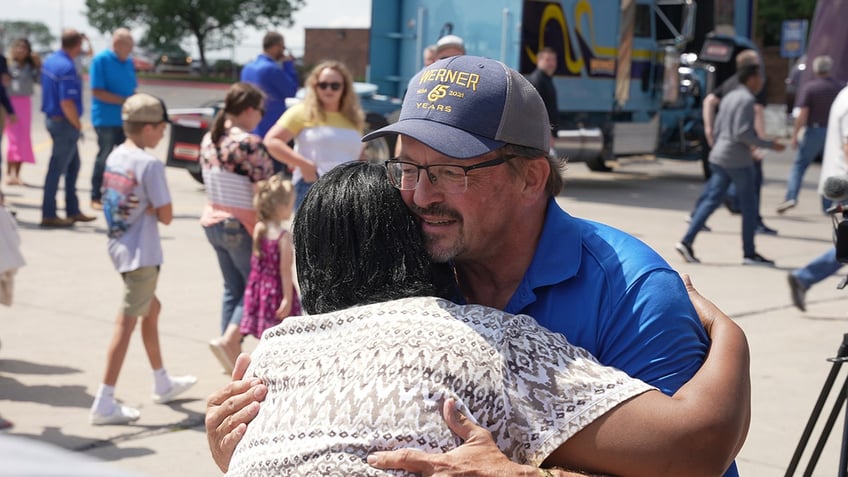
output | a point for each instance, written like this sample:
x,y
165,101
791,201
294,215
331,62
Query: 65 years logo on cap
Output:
x,y
451,85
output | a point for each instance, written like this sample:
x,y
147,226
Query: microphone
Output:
x,y
836,188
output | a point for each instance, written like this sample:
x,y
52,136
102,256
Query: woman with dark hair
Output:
x,y
381,238
233,160
375,371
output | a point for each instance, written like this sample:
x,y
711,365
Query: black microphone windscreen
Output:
x,y
836,188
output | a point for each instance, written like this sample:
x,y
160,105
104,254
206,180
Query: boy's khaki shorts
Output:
x,y
139,289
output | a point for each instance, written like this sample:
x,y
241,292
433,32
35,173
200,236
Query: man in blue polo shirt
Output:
x,y
61,103
112,76
278,81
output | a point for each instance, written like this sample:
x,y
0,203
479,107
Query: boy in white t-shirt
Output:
x,y
135,199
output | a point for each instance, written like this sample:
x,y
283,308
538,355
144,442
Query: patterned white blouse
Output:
x,y
345,384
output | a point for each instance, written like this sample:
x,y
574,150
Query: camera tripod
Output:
x,y
841,357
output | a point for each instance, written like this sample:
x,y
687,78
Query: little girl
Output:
x,y
270,295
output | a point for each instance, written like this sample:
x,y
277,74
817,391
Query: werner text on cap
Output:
x,y
467,106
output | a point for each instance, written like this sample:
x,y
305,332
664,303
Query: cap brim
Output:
x,y
444,139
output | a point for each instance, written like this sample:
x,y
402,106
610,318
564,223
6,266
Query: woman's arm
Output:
x,y
286,259
276,141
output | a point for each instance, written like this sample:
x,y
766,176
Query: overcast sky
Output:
x,y
316,13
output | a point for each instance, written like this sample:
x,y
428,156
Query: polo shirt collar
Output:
x,y
557,257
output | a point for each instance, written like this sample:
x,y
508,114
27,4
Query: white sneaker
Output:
x,y
120,415
179,385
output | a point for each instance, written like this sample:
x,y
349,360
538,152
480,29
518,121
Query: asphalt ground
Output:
x,y
54,336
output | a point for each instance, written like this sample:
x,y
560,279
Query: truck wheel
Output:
x,y
196,175
598,164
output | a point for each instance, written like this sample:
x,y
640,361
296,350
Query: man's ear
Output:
x,y
536,173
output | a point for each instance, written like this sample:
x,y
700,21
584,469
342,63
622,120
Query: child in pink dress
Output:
x,y
270,295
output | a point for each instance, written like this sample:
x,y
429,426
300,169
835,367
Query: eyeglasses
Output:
x,y
450,178
333,86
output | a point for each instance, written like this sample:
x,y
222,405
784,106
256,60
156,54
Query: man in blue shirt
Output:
x,y
112,77
277,81
61,103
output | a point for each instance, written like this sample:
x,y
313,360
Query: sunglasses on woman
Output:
x,y
333,86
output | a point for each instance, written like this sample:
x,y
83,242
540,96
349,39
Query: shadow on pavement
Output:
x,y
17,366
57,396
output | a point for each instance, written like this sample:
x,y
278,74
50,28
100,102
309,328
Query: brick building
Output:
x,y
348,45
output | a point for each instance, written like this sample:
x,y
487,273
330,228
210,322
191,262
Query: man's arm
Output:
x,y
69,109
649,435
107,96
281,83
800,121
708,111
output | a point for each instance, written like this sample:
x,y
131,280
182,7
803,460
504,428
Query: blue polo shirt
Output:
x,y
277,82
59,81
611,294
109,73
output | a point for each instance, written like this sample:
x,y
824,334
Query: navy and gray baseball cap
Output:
x,y
466,106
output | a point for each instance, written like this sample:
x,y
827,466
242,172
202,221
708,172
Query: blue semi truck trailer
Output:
x,y
618,77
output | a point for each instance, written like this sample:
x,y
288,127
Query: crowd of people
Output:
x,y
476,250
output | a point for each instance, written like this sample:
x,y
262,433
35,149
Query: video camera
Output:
x,y
836,189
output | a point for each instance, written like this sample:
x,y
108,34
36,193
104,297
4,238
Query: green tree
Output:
x,y
213,24
37,33
771,13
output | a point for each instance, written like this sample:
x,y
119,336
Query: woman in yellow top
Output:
x,y
326,127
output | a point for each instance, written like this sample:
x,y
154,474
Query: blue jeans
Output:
x,y
233,245
108,137
715,190
820,268
812,144
64,160
300,190
731,196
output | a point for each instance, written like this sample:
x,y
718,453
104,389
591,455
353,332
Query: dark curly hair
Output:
x,y
357,243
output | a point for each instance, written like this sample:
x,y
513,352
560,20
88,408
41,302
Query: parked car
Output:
x,y
143,61
188,125
174,60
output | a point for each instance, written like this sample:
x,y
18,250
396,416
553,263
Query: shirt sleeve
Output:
x,y
156,185
95,73
293,119
255,162
743,126
70,86
843,129
554,389
281,83
654,333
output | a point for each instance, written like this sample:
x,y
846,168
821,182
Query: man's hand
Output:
x,y
778,147
477,456
794,142
229,409
708,134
